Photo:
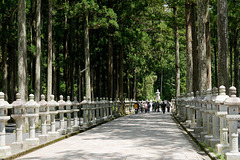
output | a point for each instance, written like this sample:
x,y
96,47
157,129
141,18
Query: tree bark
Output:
x,y
135,84
49,81
87,58
223,67
202,58
189,54
177,59
110,66
208,47
194,48
121,79
236,61
22,50
38,53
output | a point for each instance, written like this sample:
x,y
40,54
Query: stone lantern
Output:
x,y
215,120
4,105
158,96
208,102
198,128
69,111
221,112
192,110
97,111
52,104
207,96
31,110
43,112
233,103
61,111
84,108
188,116
118,106
18,115
75,110
111,109
93,109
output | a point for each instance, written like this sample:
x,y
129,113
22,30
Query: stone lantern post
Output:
x,y
192,110
93,108
75,110
31,110
221,112
233,103
52,104
198,128
61,111
84,108
43,112
111,108
69,111
118,106
215,120
97,111
158,98
208,101
18,115
204,113
89,115
183,106
4,105
188,116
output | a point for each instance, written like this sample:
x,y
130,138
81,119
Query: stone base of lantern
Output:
x,y
207,138
98,121
76,128
62,131
43,138
85,125
198,129
32,142
203,134
232,156
192,125
69,130
188,122
18,146
5,151
213,142
222,148
53,135
94,122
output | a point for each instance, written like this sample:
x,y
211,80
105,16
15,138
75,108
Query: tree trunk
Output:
x,y
202,59
223,67
121,79
110,66
194,48
4,60
22,50
135,84
208,47
189,54
55,77
177,79
38,53
87,59
236,61
231,59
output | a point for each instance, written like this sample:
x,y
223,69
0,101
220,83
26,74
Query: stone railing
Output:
x,y
213,117
65,118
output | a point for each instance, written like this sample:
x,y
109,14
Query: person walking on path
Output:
x,y
168,106
163,106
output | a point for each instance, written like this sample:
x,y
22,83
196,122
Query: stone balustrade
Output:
x,y
93,113
213,117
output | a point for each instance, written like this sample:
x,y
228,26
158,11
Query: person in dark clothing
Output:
x,y
148,109
163,106
168,106
157,106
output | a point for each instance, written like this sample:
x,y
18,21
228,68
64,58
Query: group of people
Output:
x,y
156,106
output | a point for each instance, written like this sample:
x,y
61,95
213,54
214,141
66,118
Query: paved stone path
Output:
x,y
151,136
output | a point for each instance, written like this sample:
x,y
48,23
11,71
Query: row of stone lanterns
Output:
x,y
216,117
94,112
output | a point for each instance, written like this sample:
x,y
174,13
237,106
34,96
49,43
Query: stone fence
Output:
x,y
213,117
52,116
